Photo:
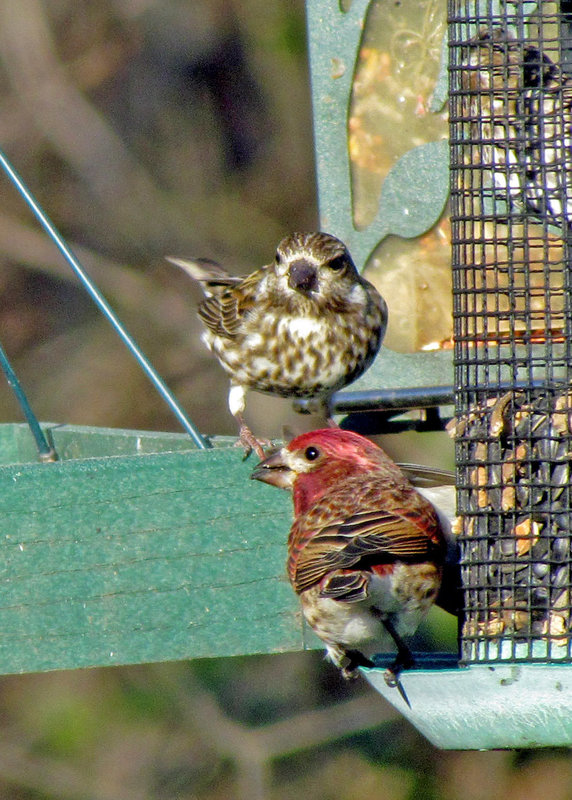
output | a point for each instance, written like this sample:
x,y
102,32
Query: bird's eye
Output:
x,y
278,257
337,263
311,453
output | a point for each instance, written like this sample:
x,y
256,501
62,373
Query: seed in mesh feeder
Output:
x,y
305,325
518,104
516,511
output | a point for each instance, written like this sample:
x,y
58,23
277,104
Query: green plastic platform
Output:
x,y
138,547
485,707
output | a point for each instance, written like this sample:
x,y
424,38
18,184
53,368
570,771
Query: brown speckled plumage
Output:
x,y
305,325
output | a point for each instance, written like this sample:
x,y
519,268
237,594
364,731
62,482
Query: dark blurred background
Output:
x,y
145,128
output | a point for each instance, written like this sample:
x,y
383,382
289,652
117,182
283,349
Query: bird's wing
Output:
x,y
213,278
224,312
346,586
368,540
421,475
438,486
221,309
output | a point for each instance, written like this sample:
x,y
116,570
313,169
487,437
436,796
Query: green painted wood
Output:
x,y
70,441
136,558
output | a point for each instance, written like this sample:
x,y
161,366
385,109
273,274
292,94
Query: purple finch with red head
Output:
x,y
366,550
305,325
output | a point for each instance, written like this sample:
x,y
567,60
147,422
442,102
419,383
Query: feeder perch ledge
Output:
x,y
484,707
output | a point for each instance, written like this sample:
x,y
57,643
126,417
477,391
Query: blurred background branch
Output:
x,y
144,129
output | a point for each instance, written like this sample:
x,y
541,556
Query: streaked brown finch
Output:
x,y
305,325
366,549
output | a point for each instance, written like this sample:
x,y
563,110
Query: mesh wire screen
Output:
x,y
511,140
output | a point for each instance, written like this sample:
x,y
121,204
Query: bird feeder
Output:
x,y
510,138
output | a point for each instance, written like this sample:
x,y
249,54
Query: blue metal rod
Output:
x,y
46,452
102,303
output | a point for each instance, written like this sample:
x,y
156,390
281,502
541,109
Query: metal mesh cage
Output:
x,y
511,146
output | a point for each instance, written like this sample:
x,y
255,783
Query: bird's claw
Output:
x,y
352,660
248,441
391,675
392,680
349,674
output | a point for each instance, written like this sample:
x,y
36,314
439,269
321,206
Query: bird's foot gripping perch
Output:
x,y
392,673
403,660
249,442
352,659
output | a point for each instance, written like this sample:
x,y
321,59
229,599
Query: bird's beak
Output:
x,y
303,276
275,471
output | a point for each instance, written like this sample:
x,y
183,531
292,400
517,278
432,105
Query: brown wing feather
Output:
x,y
223,313
349,587
213,278
405,529
423,476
